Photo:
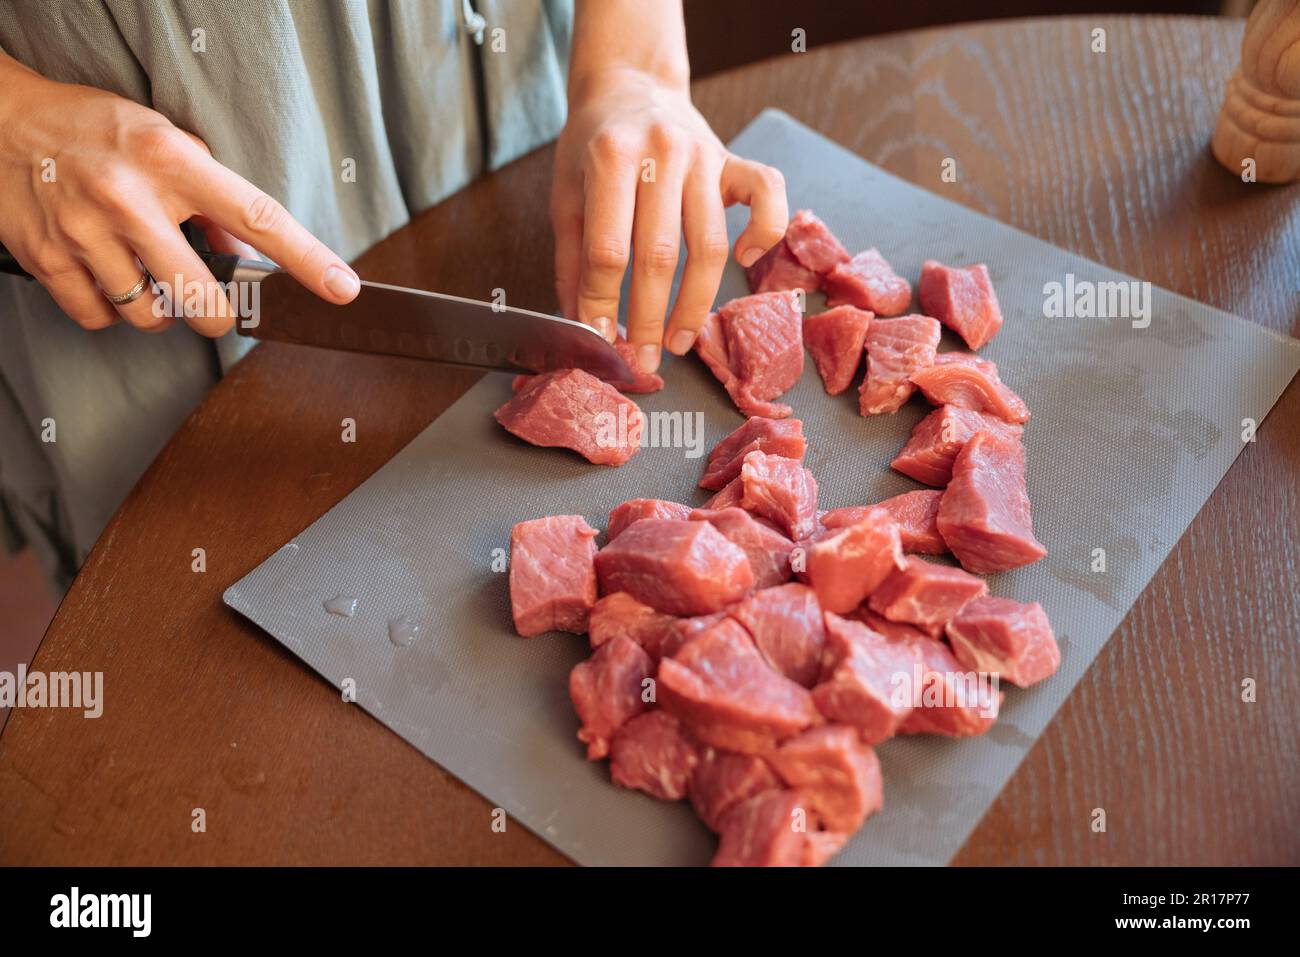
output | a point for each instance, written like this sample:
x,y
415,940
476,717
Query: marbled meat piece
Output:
x,y
813,244
726,695
951,701
836,339
896,350
782,437
675,566
1007,638
633,510
619,614
845,565
573,409
868,282
552,574
607,691
652,753
781,490
936,440
962,298
777,270
839,774
786,625
984,514
866,679
925,594
915,513
723,779
767,549
775,829
965,380
754,346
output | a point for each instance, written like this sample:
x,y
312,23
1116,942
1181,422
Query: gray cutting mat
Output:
x,y
1132,429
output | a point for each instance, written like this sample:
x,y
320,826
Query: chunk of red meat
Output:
x,y
984,514
782,437
961,379
726,695
936,440
778,270
754,346
846,564
633,510
782,490
813,244
896,349
775,829
915,513
838,772
1007,638
962,298
653,754
786,625
836,340
924,594
866,679
951,701
620,614
572,409
552,574
868,282
766,548
675,566
723,779
607,691
642,382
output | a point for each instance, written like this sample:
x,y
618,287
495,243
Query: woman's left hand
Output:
x,y
636,168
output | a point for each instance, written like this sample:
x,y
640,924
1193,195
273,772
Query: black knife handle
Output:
x,y
222,266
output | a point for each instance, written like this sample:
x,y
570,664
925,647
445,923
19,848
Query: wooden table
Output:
x,y
1103,154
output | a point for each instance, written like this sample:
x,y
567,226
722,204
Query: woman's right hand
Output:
x,y
90,182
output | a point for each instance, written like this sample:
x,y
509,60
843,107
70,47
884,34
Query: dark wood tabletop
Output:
x,y
1104,154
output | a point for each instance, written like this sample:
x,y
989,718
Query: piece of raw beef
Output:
x,y
622,615
653,754
754,347
868,282
896,349
572,409
845,565
552,574
925,594
781,490
813,244
1007,638
723,779
836,340
984,514
962,298
675,566
642,382
766,548
862,674
762,832
839,774
915,513
777,270
633,510
786,625
608,690
782,437
965,380
936,440
952,701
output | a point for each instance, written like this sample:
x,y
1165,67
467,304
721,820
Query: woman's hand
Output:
x,y
637,167
90,182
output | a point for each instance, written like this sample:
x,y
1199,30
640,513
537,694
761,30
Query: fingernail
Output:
x,y
342,282
750,256
605,326
647,357
681,342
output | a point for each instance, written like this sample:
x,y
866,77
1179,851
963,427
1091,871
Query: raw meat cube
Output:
x,y
924,594
839,774
775,829
984,515
951,701
778,270
727,696
754,346
813,244
936,440
1004,637
653,754
962,298
868,282
642,382
961,379
866,679
620,614
723,779
836,340
572,409
675,566
766,548
552,575
782,490
782,437
731,495
786,625
607,691
896,348
636,509
895,631
915,513
848,564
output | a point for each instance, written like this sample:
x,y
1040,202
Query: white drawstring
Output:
x,y
472,21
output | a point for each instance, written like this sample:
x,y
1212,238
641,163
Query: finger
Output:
x,y
239,207
609,205
117,271
656,245
762,189
566,219
77,295
220,241
705,226
187,287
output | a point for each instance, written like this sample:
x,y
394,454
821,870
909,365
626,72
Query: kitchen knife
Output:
x,y
395,320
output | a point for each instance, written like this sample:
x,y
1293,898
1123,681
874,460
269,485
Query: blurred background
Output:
x,y
721,34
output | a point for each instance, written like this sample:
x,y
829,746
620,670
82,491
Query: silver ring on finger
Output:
x,y
132,294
